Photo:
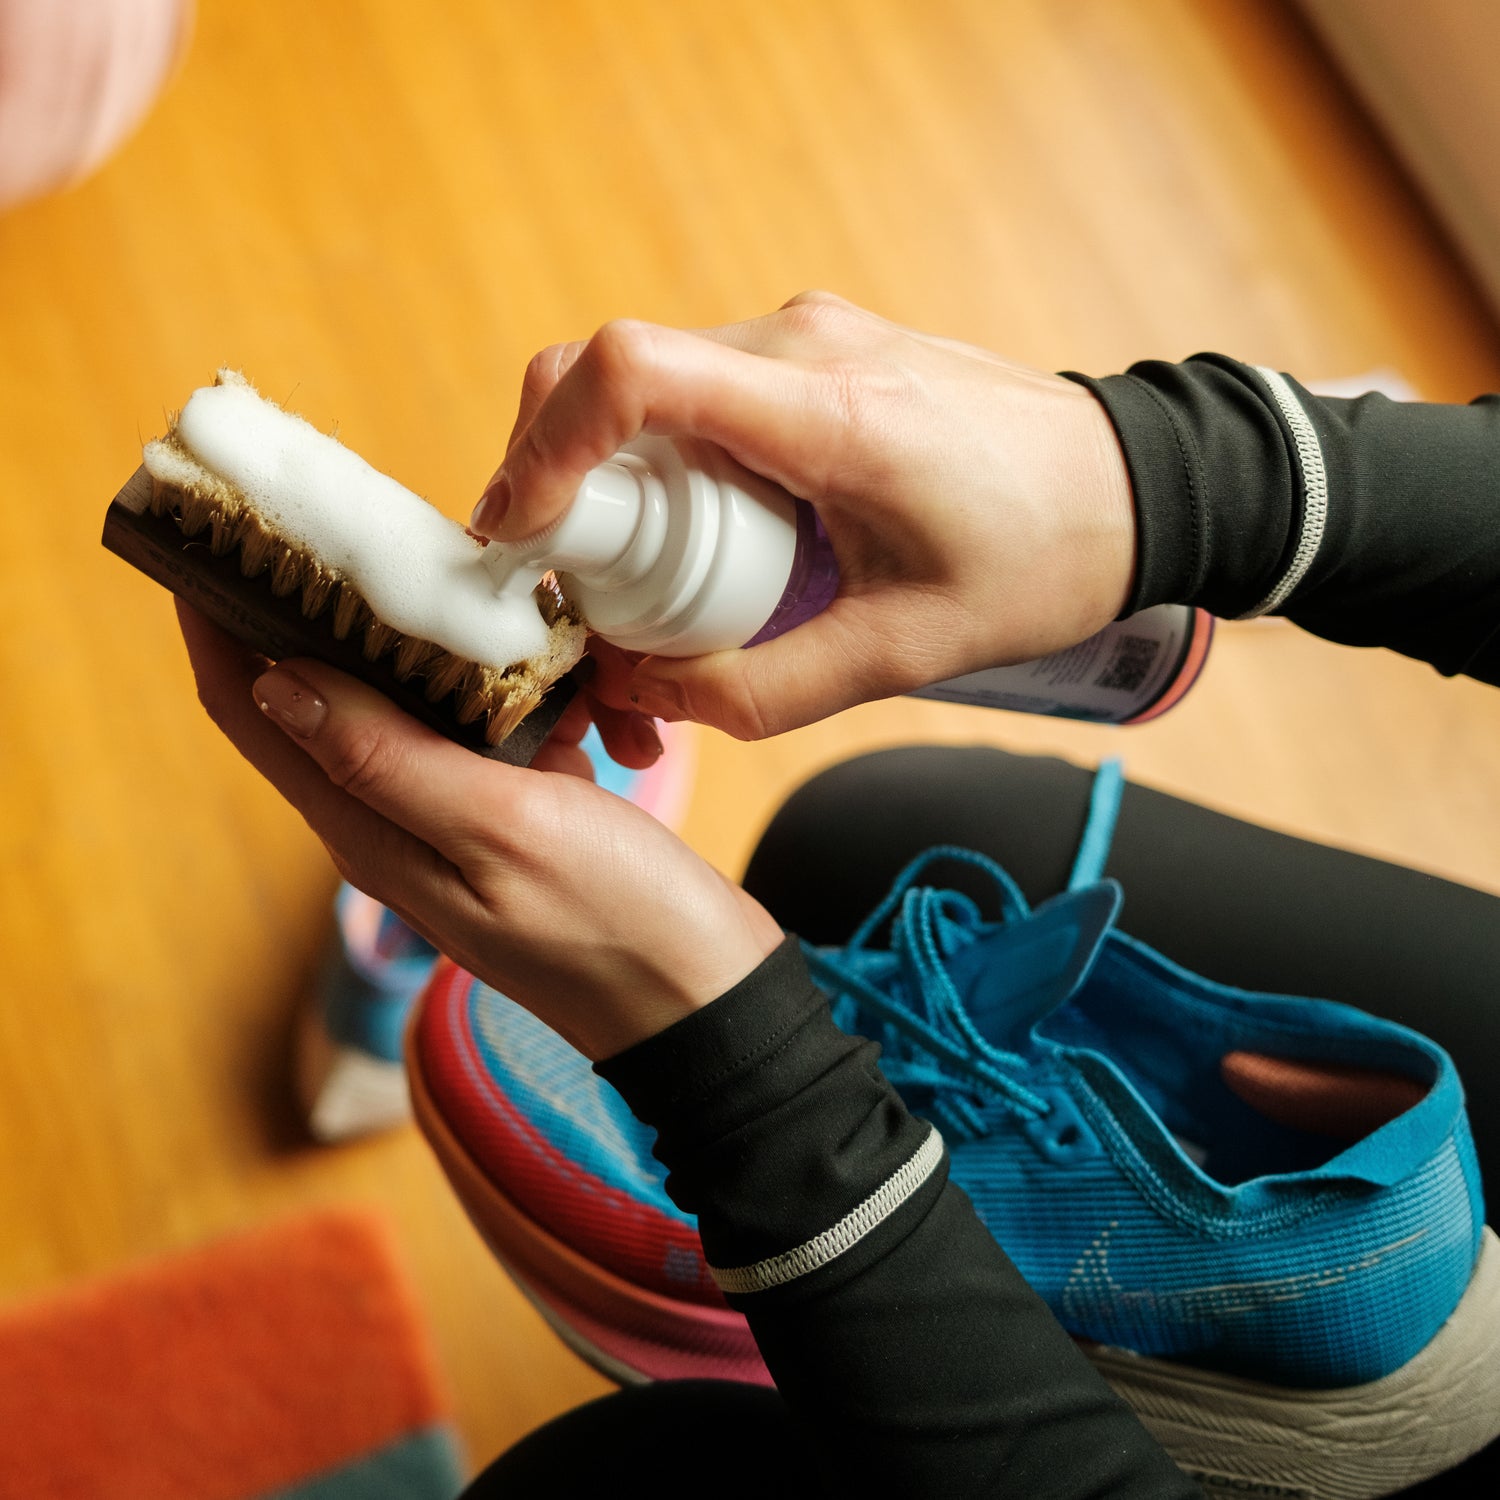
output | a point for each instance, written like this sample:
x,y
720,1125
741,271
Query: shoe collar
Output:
x,y
1293,1027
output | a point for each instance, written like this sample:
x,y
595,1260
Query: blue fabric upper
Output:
x,y
556,1089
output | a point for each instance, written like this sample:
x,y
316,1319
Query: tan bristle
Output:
x,y
414,656
224,538
194,515
349,611
379,639
444,675
470,705
287,569
504,718
255,551
316,593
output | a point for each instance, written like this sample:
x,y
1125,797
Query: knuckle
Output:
x,y
529,825
821,317
564,357
815,297
542,372
619,352
533,453
741,711
360,763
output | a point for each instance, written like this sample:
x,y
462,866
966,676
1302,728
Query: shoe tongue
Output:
x,y
1014,975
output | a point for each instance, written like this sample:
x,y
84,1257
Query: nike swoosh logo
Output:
x,y
1092,1296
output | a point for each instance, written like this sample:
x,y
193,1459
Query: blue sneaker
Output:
x,y
1261,1213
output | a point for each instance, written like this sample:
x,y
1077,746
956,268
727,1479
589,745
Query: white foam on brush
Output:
x,y
420,572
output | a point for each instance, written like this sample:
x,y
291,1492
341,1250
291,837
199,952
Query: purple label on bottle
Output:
x,y
813,582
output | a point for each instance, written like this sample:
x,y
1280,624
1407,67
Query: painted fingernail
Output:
x,y
493,504
646,739
291,702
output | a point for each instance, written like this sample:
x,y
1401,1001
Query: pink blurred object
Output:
x,y
76,76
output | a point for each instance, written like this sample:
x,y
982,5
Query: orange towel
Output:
x,y
241,1368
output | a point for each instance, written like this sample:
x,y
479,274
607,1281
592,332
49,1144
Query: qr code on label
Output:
x,y
1130,664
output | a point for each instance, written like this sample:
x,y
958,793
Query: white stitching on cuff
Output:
x,y
823,1248
1315,491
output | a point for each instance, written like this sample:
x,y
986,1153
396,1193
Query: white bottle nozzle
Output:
x,y
595,533
513,578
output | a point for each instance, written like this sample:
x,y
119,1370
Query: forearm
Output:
x,y
1368,521
917,1359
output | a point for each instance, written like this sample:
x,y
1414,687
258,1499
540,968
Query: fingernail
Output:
x,y
493,504
291,702
647,740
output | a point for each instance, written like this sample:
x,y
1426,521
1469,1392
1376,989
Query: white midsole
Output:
x,y
1245,1437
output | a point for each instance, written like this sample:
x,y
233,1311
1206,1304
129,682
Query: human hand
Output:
x,y
570,900
980,511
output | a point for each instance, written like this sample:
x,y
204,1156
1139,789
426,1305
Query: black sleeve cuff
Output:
x,y
1218,491
765,1062
1366,521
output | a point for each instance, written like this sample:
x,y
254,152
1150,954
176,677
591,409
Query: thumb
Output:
x,y
814,671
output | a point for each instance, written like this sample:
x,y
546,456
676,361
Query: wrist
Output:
x,y
1116,475
661,999
1110,498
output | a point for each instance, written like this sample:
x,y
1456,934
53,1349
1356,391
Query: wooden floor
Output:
x,y
380,210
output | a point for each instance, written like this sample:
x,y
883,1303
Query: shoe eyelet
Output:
x,y
1061,1135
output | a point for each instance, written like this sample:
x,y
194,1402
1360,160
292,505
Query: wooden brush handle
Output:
x,y
276,627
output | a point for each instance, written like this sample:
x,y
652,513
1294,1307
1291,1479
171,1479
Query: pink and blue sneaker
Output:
x,y
1259,1214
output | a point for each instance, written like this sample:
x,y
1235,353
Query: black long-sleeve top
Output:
x,y
915,1356
1368,521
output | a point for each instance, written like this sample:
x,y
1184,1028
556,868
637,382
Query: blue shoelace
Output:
x,y
903,996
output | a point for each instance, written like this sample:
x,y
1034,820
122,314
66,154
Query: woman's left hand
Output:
x,y
568,899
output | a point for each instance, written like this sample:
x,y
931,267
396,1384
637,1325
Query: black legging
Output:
x,y
1238,903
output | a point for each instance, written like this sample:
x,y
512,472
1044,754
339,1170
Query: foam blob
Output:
x,y
420,572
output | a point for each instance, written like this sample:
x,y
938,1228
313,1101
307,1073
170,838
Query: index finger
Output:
x,y
632,378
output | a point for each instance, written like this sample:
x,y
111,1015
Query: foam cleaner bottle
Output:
x,y
673,548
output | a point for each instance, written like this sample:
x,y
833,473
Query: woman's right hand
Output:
x,y
980,511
